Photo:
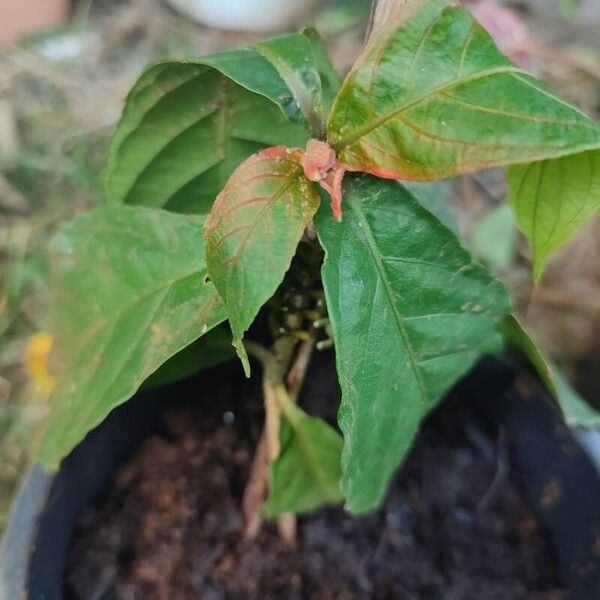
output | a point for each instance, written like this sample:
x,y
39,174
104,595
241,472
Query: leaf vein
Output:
x,y
380,267
517,116
382,119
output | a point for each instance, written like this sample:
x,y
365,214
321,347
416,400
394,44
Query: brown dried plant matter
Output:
x,y
284,370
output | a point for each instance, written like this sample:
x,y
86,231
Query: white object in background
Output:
x,y
244,15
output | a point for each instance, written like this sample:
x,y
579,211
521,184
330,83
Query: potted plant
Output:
x,y
226,170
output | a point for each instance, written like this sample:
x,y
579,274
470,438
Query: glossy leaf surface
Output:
x,y
187,125
552,199
330,79
128,292
432,96
577,412
253,231
307,473
410,312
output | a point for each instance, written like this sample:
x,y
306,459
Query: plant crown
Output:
x,y
220,167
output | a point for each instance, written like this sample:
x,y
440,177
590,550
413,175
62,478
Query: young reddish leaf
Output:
x,y
321,165
253,230
432,96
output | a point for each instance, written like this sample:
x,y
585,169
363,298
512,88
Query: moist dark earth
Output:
x,y
455,524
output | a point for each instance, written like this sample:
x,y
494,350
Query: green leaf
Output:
x,y
187,125
210,350
253,231
410,312
552,199
128,292
432,96
577,412
494,239
307,472
330,79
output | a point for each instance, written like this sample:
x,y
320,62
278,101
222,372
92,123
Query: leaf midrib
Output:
x,y
365,228
299,90
90,415
251,229
125,356
119,141
113,322
313,466
212,108
377,122
138,381
134,300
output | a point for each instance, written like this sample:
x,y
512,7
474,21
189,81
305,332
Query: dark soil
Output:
x,y
454,526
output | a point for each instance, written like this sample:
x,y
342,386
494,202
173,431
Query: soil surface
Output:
x,y
455,524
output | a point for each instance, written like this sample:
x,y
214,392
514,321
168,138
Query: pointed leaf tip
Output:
x,y
253,230
552,200
411,312
408,110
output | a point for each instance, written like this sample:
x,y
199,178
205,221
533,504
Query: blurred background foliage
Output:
x,y
61,92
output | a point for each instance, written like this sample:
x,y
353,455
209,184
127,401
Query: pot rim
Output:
x,y
31,502
19,537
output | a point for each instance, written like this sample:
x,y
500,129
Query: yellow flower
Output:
x,y
36,361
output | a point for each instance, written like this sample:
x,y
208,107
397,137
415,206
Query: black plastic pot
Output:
x,y
35,547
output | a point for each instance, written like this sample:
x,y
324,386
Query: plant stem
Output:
x,y
276,363
297,372
256,490
272,417
275,366
287,522
287,525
